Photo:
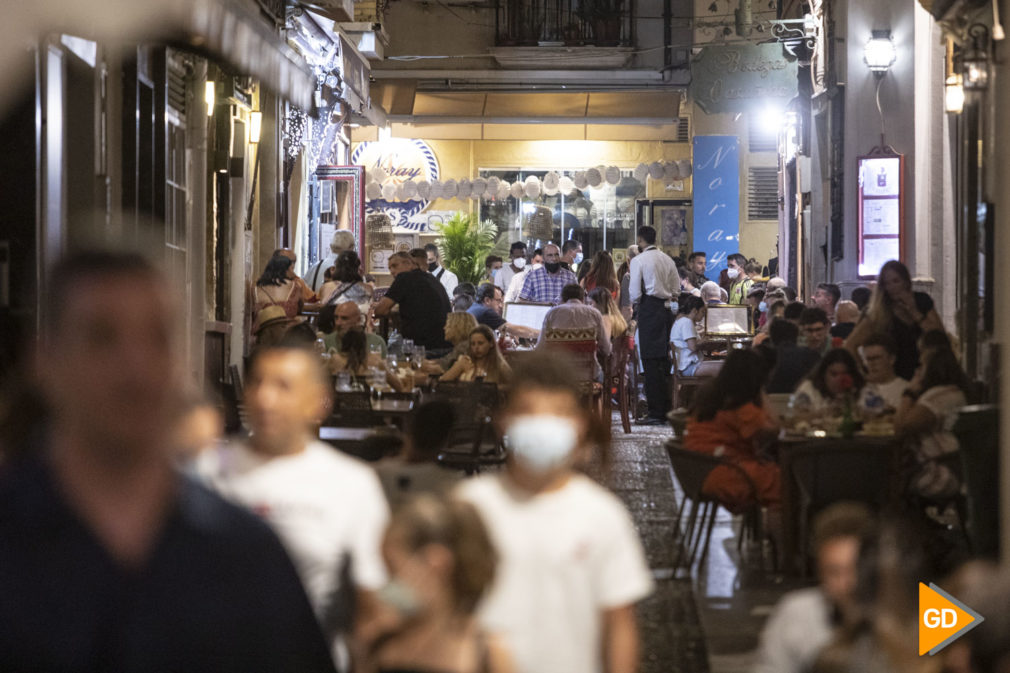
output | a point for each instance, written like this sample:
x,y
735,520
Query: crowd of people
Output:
x,y
136,539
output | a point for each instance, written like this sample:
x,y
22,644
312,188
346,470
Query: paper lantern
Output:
x,y
378,175
656,171
641,172
463,189
670,171
424,190
504,189
435,192
684,168
389,191
410,190
449,189
532,189
566,185
551,180
399,193
594,177
580,180
613,175
479,188
493,187
373,191
517,189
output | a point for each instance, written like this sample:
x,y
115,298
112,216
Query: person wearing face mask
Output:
x,y
571,254
739,282
544,285
571,566
516,284
441,561
517,262
447,278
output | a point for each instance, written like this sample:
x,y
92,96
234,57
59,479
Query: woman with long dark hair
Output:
x,y
276,287
483,362
731,419
602,274
928,410
836,377
895,309
347,283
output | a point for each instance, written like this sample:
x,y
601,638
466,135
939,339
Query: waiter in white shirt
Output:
x,y
653,281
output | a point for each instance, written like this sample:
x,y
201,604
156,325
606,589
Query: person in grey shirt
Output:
x,y
574,313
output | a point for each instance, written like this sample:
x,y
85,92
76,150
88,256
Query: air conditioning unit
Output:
x,y
337,10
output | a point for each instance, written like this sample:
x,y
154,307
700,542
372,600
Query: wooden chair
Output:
x,y
679,381
581,344
621,379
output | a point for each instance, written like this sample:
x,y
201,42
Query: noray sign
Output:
x,y
733,78
402,159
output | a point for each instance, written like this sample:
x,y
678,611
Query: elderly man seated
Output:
x,y
574,313
336,321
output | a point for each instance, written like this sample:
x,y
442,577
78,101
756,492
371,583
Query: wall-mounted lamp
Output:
x,y
255,126
880,52
953,94
975,61
210,96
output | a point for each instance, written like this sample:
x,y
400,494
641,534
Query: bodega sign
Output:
x,y
942,619
402,159
738,77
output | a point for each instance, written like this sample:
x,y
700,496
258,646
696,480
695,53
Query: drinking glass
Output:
x,y
343,382
408,348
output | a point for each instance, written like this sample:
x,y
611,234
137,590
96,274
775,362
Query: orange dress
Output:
x,y
730,435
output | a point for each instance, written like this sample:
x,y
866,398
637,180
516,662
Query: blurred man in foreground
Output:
x,y
110,560
324,505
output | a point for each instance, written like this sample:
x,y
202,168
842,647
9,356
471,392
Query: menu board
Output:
x,y
881,211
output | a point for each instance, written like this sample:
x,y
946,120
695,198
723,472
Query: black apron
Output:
x,y
654,323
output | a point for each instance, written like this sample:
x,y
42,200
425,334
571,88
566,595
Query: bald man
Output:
x,y
347,317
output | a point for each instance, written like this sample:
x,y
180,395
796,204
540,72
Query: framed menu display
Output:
x,y
881,189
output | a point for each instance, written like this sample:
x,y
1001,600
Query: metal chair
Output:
x,y
691,469
471,443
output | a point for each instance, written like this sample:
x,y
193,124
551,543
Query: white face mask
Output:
x,y
732,273
541,442
400,597
537,266
519,262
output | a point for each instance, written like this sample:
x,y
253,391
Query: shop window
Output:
x,y
763,193
601,219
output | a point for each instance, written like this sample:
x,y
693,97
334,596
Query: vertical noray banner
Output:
x,y
716,199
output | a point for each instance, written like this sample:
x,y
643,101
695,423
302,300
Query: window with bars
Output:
x,y
762,193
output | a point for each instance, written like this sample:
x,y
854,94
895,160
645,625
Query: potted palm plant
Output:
x,y
465,242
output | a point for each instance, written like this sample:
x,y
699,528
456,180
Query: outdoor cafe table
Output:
x,y
793,552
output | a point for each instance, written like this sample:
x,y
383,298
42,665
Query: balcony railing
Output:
x,y
555,23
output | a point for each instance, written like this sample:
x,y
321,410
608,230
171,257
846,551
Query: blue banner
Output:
x,y
716,199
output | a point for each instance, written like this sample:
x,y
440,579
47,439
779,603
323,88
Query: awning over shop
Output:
x,y
242,39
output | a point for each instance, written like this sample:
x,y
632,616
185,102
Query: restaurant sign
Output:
x,y
739,78
402,159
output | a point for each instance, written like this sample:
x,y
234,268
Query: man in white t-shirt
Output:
x,y
516,284
517,262
447,278
804,621
571,566
325,506
883,386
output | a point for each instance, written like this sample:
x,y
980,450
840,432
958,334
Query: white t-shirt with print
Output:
x,y
564,558
321,503
889,393
682,330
